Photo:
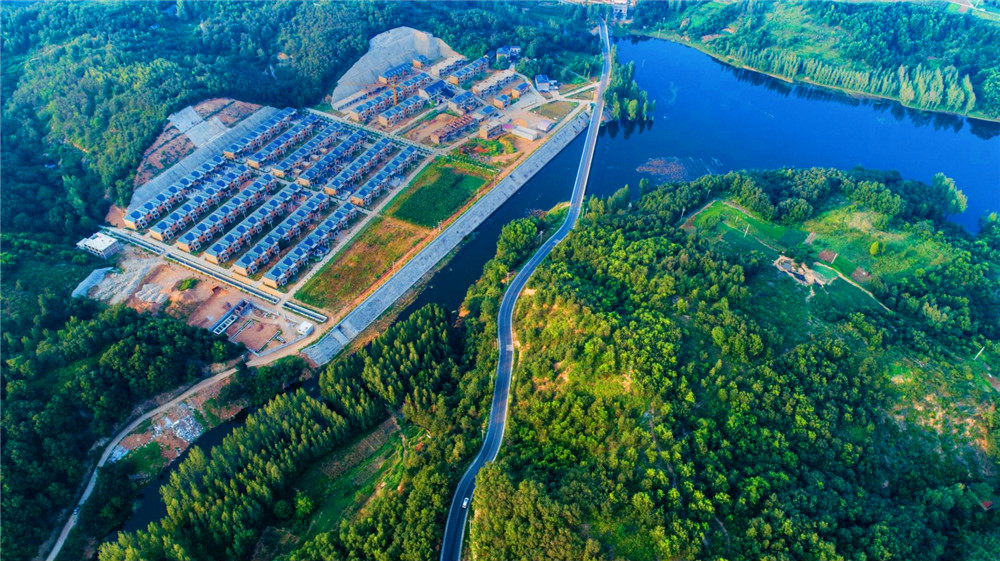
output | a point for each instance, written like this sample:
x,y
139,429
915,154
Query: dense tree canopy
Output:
x,y
86,86
215,502
625,100
64,388
662,411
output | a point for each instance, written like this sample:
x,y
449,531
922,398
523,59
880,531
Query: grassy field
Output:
x,y
779,298
556,110
849,232
846,231
366,472
587,95
496,147
357,266
736,221
147,459
440,190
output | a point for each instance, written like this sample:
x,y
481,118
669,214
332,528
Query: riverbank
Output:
x,y
416,268
737,63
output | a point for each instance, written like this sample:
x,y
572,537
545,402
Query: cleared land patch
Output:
x,y
440,190
849,233
742,232
739,225
367,257
556,110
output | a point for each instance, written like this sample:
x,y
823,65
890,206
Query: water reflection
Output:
x,y
940,121
627,128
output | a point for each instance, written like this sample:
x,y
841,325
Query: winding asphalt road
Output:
x,y
117,438
454,531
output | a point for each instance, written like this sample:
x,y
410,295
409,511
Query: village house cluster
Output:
x,y
276,199
469,90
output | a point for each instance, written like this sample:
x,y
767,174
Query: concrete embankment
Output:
x,y
379,301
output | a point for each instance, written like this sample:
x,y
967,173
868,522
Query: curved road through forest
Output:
x,y
117,438
454,531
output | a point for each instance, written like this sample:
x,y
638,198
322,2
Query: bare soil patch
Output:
x,y
213,305
210,107
422,132
798,271
860,275
255,335
115,216
168,149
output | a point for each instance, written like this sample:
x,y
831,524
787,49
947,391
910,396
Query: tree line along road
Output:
x,y
454,532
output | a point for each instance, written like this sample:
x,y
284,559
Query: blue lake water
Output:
x,y
713,115
713,118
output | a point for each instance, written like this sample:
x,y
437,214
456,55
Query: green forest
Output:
x,y
662,407
435,375
625,100
677,396
70,376
922,55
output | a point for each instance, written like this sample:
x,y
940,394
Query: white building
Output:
x,y
526,133
101,245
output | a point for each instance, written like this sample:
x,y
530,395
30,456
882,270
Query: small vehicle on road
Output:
x,y
76,511
465,503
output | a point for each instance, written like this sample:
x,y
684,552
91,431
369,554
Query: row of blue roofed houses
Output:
x,y
252,225
396,73
397,113
364,111
200,200
294,224
383,178
213,225
445,67
302,155
161,203
359,167
333,160
315,244
223,184
280,145
262,133
469,71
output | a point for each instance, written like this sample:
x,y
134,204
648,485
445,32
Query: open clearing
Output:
x,y
849,233
742,232
773,236
440,189
555,110
341,484
368,256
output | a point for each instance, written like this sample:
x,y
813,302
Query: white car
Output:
x,y
465,503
